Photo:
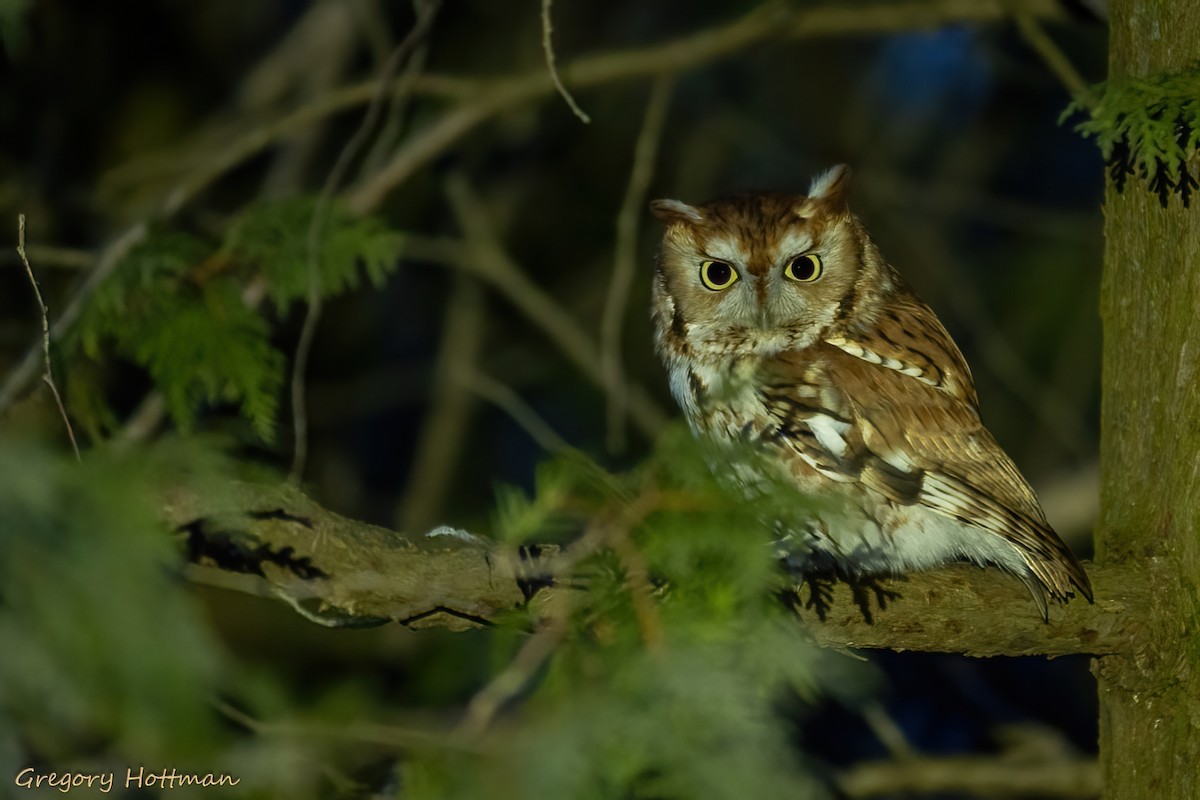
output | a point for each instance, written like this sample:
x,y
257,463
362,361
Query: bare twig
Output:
x,y
48,375
632,210
548,49
26,370
425,17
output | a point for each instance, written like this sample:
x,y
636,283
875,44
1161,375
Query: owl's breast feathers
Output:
x,y
872,410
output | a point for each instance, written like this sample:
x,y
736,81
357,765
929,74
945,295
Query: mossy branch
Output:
x,y
340,572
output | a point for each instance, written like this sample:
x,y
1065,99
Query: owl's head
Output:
x,y
762,272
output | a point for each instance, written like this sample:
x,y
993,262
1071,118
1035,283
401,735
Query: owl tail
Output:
x,y
1061,577
1038,592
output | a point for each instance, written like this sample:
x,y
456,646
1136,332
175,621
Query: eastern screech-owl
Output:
x,y
783,327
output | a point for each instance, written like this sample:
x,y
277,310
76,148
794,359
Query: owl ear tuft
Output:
x,y
830,190
670,211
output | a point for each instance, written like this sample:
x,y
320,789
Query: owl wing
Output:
x,y
908,337
913,442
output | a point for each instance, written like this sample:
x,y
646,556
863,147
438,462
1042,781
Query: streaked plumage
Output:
x,y
847,382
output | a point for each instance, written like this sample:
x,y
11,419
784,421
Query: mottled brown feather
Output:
x,y
851,379
892,414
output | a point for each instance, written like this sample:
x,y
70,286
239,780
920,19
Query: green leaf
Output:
x,y
274,236
1148,127
200,343
100,638
211,349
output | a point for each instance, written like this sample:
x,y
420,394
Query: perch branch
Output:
x,y
339,572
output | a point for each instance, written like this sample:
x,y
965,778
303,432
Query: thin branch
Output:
x,y
398,104
236,149
769,21
503,397
611,531
888,732
389,736
625,263
548,49
486,258
420,30
48,375
488,702
20,377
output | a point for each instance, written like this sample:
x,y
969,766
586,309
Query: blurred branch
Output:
x,y
1037,38
316,231
50,256
959,199
625,262
503,397
341,572
389,736
443,432
398,103
1057,418
771,20
998,776
479,100
486,258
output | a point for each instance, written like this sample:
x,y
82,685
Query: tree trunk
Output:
x,y
1150,442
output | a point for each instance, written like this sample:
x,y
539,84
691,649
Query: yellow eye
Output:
x,y
805,269
717,275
